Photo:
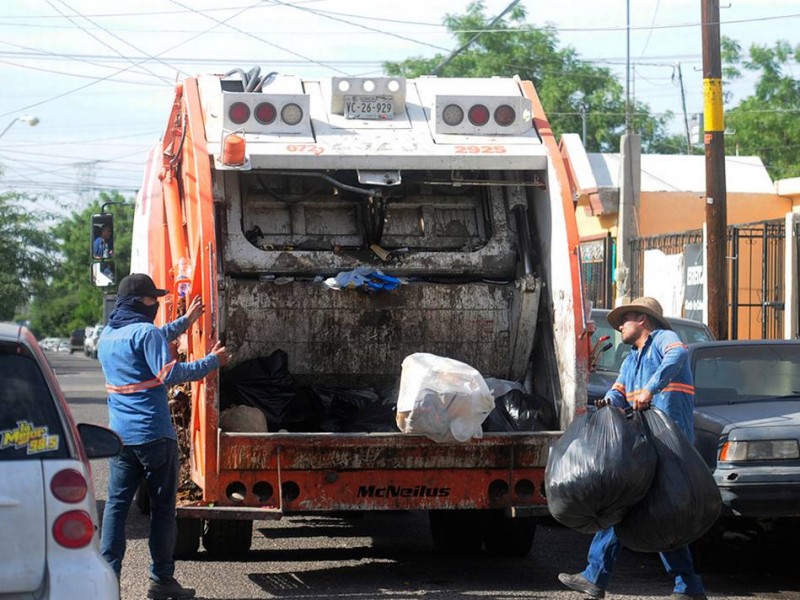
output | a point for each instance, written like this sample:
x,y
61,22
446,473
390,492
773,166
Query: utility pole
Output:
x,y
629,188
716,199
685,116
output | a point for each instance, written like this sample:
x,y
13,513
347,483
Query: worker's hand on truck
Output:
x,y
222,354
195,309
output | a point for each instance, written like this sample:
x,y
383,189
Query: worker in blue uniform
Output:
x,y
655,373
138,365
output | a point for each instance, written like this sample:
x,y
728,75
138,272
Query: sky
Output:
x,y
99,76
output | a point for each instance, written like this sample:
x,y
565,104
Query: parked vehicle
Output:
x,y
48,514
610,362
90,342
747,427
64,346
455,186
49,343
76,340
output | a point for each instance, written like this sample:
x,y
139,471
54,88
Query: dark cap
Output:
x,y
139,284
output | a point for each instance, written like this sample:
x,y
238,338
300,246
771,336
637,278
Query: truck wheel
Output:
x,y
226,538
456,532
187,540
509,537
142,499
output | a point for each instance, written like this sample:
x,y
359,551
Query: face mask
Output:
x,y
148,311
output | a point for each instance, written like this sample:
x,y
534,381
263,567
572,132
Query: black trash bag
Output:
x,y
354,410
265,382
683,502
517,411
601,466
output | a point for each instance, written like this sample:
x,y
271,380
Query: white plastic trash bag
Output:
x,y
442,398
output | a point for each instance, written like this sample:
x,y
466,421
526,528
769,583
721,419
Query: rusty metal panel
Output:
x,y
351,338
342,452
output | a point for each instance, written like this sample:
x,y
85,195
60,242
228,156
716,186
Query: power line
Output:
x,y
380,31
260,39
83,87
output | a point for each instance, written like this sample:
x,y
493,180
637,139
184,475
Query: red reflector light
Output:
x,y
73,529
69,486
239,112
265,113
504,115
478,115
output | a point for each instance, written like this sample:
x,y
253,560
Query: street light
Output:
x,y
29,119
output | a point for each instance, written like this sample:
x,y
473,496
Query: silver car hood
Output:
x,y
758,414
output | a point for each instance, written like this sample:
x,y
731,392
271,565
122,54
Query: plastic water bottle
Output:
x,y
183,278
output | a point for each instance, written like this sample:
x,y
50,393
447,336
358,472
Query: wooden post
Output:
x,y
716,200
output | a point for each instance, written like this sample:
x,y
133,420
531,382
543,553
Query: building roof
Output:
x,y
684,173
664,172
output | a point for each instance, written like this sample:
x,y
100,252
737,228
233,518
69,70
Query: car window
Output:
x,y
731,374
611,360
30,427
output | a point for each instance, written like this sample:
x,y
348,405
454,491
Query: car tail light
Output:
x,y
478,115
452,114
73,529
291,114
239,112
265,113
69,486
504,115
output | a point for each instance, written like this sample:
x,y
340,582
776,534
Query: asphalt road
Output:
x,y
390,555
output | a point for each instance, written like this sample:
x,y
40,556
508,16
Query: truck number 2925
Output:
x,y
480,149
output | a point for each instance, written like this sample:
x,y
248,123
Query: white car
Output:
x,y
48,512
90,341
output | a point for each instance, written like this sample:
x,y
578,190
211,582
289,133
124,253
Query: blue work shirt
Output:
x,y
660,367
138,367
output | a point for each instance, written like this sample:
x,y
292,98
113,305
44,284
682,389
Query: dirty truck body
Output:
x,y
477,220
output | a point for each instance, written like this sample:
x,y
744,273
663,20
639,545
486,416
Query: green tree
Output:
x,y
766,123
68,300
567,86
26,252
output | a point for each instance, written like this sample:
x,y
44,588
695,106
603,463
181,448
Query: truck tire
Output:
x,y
457,532
509,537
187,538
226,538
142,498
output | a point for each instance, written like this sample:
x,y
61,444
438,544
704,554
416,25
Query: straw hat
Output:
x,y
645,305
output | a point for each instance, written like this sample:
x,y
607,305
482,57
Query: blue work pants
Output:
x,y
157,462
605,549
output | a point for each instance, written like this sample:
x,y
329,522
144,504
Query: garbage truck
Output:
x,y
264,189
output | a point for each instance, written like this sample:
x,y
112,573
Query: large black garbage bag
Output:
x,y
683,502
602,465
517,411
266,383
358,410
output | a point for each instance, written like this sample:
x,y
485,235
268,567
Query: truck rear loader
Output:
x,y
264,186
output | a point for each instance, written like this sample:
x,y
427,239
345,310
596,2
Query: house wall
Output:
x,y
672,212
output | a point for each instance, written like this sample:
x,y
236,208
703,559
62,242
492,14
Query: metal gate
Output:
x,y
597,260
756,276
756,286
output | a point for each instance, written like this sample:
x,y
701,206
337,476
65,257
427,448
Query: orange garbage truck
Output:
x,y
264,189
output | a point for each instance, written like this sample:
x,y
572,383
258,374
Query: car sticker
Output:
x,y
27,434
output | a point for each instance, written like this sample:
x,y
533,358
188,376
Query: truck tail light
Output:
x,y
239,112
504,115
73,529
291,114
452,114
69,486
265,113
478,115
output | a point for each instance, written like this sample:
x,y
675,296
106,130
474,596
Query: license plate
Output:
x,y
368,107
